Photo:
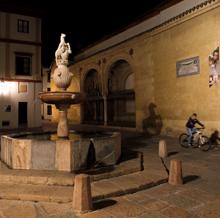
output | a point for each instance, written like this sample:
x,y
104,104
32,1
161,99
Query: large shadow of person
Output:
x,y
153,124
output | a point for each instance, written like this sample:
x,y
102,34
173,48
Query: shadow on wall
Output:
x,y
153,124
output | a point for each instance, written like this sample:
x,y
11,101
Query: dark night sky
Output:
x,y
84,22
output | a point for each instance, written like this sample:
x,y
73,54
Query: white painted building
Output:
x,y
20,70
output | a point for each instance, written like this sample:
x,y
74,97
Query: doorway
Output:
x,y
22,114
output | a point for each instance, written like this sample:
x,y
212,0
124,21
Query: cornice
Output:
x,y
185,16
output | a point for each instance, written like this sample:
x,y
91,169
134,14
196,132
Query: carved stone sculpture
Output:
x,y
63,51
62,77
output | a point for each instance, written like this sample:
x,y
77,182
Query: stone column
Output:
x,y
62,128
82,197
175,175
105,110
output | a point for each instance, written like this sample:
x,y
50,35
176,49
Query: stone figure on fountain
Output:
x,y
63,51
62,77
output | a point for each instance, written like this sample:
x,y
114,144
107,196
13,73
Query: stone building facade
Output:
x,y
20,70
131,79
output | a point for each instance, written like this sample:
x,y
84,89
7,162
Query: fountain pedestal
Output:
x,y
62,100
62,128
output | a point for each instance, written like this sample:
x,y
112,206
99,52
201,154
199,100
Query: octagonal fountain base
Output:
x,y
47,152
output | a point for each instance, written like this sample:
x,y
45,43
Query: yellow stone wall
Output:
x,y
178,97
154,64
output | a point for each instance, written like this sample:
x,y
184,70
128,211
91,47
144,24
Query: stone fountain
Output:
x,y
65,151
62,78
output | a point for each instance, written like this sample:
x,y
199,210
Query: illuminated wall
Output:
x,y
10,96
153,56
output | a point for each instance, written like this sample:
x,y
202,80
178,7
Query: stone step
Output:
x,y
100,189
37,177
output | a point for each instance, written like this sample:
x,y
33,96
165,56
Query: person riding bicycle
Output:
x,y
190,126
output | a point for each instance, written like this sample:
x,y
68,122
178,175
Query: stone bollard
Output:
x,y
162,149
175,175
82,197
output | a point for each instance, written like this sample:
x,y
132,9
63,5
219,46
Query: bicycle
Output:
x,y
198,140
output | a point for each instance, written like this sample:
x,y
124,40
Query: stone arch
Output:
x,y
91,83
129,81
111,62
93,107
118,74
85,74
120,94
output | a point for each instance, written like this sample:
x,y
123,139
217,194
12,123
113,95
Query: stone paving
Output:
x,y
199,197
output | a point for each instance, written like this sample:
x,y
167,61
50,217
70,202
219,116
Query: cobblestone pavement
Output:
x,y
198,197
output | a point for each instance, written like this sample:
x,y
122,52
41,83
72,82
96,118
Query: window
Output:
x,y
23,63
23,26
49,110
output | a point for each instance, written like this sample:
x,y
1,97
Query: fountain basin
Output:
x,y
62,100
59,98
22,151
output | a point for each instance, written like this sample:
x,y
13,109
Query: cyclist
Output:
x,y
190,126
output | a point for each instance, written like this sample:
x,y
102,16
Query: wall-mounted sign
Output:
x,y
187,67
22,87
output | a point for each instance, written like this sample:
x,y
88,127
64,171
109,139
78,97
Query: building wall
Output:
x,y
2,59
36,60
12,97
11,42
153,60
3,24
178,97
34,34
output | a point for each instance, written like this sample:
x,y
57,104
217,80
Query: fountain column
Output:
x,y
62,128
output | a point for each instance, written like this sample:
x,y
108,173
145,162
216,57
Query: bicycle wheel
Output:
x,y
183,140
204,143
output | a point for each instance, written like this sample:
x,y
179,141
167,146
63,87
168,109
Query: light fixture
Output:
x,y
5,87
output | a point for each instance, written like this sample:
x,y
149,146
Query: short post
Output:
x,y
82,197
162,149
175,175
